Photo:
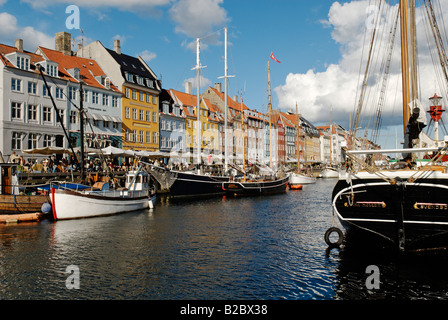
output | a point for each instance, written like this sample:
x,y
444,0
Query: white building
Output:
x,y
28,118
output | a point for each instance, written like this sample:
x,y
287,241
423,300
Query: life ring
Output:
x,y
339,240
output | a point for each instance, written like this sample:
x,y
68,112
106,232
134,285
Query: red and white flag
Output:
x,y
273,57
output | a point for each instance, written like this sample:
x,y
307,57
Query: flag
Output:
x,y
273,57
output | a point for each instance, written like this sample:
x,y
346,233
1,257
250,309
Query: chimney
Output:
x,y
18,44
218,86
235,98
117,47
63,43
188,87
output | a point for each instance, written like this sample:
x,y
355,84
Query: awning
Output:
x,y
116,119
107,118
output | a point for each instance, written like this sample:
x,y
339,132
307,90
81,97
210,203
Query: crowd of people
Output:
x,y
53,163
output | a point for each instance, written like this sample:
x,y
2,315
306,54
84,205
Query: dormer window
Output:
x,y
149,83
75,73
129,77
20,60
23,63
50,68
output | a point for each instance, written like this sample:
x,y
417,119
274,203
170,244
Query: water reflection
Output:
x,y
216,248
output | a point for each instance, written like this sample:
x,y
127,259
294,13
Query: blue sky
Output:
x,y
318,43
292,29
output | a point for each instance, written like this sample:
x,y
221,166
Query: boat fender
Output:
x,y
46,207
336,243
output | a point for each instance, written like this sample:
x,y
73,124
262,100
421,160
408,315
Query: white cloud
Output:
x,y
32,38
130,5
148,55
196,18
204,82
337,86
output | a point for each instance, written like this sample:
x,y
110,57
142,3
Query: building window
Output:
x,y
126,93
127,113
16,85
45,92
105,99
32,140
59,93
114,102
140,136
71,93
47,140
148,136
32,87
141,95
154,99
23,63
94,97
46,114
148,116
148,98
16,110
134,95
155,138
154,117
142,115
73,117
134,114
16,141
106,124
32,112
134,135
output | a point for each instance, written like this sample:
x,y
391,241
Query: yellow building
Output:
x,y
141,90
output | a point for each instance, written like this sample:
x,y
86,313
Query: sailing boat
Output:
x,y
298,178
99,200
193,184
408,208
260,185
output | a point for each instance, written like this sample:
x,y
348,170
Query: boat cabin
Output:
x,y
137,180
9,178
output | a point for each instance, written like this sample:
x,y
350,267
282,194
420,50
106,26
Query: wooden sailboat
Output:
x,y
259,185
100,200
297,179
408,208
194,184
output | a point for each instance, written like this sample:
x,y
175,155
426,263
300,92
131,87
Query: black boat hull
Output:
x,y
191,185
409,215
255,188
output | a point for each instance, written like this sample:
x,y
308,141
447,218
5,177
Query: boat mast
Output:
x,y
270,110
243,136
297,138
226,76
198,102
405,60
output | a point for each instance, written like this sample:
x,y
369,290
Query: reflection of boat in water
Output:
x,y
329,172
72,204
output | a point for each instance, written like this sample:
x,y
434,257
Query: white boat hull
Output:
x,y
299,179
329,173
75,205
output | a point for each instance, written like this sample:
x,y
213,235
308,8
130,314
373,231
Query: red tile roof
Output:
x,y
89,68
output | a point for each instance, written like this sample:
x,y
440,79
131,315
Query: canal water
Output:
x,y
222,248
